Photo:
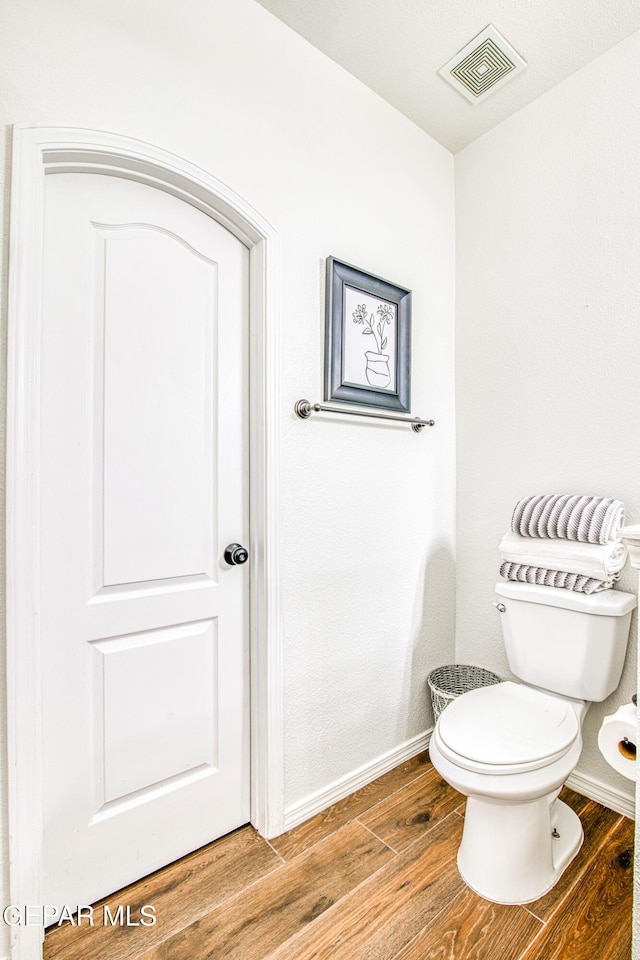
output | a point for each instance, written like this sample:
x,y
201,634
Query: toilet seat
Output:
x,y
506,728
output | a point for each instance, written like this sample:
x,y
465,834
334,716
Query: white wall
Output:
x,y
367,510
548,345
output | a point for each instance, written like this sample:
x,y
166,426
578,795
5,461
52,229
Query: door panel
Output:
x,y
154,731
158,390
144,628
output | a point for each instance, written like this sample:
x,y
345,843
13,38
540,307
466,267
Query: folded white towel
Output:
x,y
600,561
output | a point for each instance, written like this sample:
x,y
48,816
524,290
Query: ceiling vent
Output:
x,y
485,64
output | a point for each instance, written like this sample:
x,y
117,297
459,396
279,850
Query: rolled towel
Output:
x,y
554,578
600,561
569,517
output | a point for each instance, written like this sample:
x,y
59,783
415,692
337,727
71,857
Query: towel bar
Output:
x,y
304,409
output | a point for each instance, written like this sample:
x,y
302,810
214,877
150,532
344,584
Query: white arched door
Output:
x,y
144,627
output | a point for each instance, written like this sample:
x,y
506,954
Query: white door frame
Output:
x,y
39,151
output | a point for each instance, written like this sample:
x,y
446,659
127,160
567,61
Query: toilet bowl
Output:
x,y
518,837
510,747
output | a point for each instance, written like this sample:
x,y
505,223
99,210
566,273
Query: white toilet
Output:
x,y
510,747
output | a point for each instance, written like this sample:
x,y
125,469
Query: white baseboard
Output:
x,y
603,793
339,789
317,802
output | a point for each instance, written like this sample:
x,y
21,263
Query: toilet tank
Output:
x,y
569,643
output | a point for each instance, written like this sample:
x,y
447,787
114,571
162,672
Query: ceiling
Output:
x,y
396,48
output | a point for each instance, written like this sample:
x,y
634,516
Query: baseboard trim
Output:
x,y
602,793
317,802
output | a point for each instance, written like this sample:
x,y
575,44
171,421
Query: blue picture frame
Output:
x,y
367,339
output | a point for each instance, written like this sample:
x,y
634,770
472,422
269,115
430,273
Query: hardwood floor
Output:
x,y
374,877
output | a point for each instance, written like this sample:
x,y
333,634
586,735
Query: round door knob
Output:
x,y
235,554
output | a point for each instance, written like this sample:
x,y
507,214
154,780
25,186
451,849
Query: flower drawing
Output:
x,y
362,315
377,362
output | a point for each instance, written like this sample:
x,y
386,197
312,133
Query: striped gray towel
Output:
x,y
567,517
523,573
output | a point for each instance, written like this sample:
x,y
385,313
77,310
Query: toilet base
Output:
x,y
510,852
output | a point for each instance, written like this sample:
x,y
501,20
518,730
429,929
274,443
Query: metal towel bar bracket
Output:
x,y
304,409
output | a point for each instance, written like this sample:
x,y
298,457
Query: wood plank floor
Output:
x,y
373,877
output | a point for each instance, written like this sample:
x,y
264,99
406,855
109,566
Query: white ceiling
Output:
x,y
396,47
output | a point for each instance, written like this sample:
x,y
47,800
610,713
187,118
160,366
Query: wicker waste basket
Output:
x,y
447,683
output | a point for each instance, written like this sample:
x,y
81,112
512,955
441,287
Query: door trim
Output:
x,y
40,151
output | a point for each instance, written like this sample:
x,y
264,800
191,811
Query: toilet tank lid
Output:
x,y
606,603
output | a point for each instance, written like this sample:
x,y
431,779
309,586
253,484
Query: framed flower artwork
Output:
x,y
368,339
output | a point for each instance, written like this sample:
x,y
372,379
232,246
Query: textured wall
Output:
x,y
367,510
548,345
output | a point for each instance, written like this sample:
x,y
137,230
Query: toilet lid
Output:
x,y
508,723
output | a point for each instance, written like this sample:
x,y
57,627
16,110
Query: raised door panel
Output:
x,y
159,333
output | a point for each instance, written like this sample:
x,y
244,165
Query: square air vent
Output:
x,y
485,64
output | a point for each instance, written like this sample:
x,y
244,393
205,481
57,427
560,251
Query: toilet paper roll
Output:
x,y
617,740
